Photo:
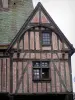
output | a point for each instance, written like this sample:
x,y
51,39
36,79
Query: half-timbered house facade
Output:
x,y
38,59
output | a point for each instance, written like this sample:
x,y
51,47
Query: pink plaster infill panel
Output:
x,y
37,55
26,44
68,76
14,76
35,18
37,41
34,88
4,76
44,87
65,46
49,87
33,55
39,87
20,75
8,75
60,45
44,18
21,44
43,56
30,77
25,78
32,40
49,55
46,48
0,75
54,41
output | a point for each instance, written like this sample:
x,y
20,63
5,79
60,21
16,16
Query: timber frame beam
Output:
x,y
38,51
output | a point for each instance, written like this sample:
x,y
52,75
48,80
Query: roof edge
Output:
x,y
50,18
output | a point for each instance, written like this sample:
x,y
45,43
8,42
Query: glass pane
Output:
x,y
45,64
46,34
37,70
37,77
36,73
45,73
46,42
46,38
36,64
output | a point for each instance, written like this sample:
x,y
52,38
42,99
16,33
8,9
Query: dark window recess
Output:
x,y
41,70
45,73
46,38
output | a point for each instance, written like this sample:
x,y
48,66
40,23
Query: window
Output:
x,y
46,39
41,70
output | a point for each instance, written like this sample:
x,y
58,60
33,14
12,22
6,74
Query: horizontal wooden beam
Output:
x,y
34,25
25,59
38,51
4,56
39,93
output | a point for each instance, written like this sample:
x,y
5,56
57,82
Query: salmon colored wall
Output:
x,y
31,49
4,75
55,84
27,85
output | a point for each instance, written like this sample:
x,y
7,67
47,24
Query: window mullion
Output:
x,y
41,73
41,69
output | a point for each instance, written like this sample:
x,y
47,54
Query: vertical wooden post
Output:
x,y
23,78
6,75
65,74
23,43
40,53
17,73
1,74
11,73
27,66
70,72
54,68
60,76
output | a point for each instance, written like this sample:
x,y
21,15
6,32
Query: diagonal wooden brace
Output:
x,y
64,85
21,77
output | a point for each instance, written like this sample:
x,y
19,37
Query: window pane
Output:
x,y
36,64
36,73
45,64
45,73
46,38
37,77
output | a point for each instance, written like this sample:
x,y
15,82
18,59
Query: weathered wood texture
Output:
x,y
29,48
4,75
35,45
32,51
22,81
